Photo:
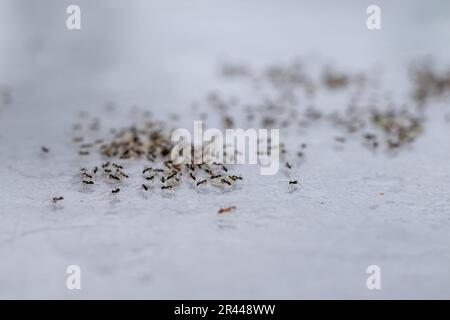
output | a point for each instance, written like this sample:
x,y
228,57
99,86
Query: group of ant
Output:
x,y
170,177
198,174
112,171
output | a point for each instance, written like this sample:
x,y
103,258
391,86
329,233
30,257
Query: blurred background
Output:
x,y
146,51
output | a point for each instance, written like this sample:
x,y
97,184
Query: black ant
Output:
x,y
202,182
111,176
146,169
115,191
45,149
171,176
56,199
123,174
226,181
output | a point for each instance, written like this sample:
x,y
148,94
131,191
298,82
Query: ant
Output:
x,y
293,185
56,199
144,187
105,165
88,182
226,181
171,176
168,164
45,149
192,176
111,176
146,169
123,174
392,144
202,182
166,187
227,209
115,191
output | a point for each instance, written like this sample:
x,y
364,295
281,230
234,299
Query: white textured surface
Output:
x,y
315,243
